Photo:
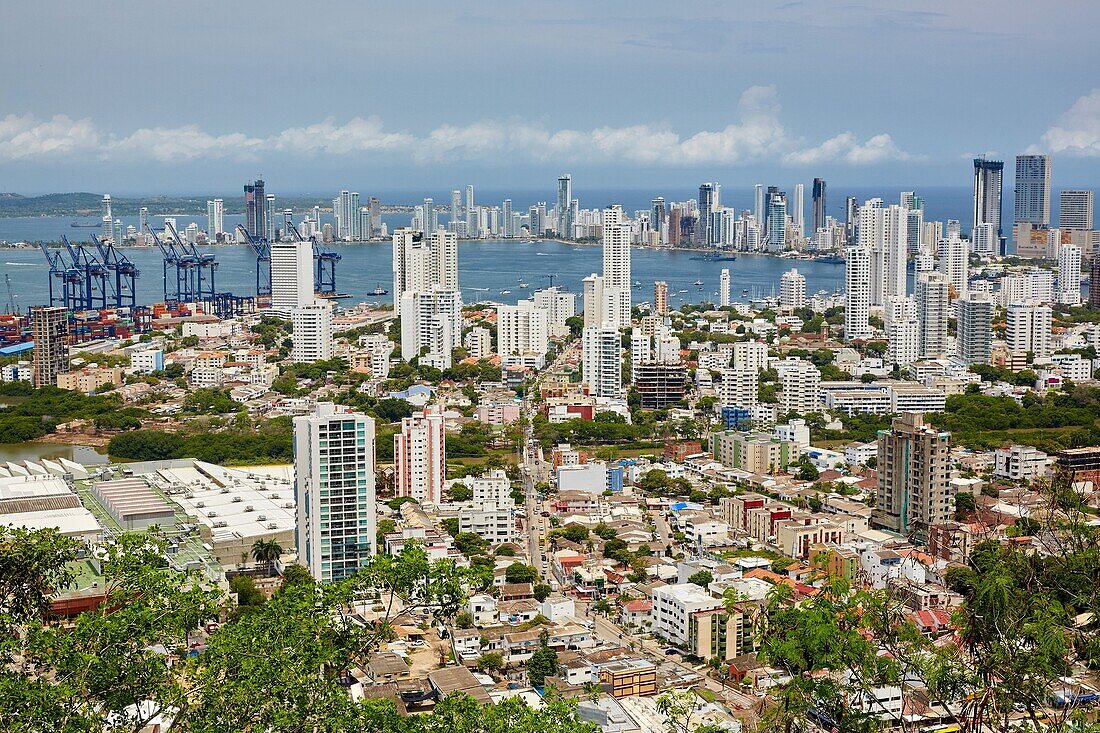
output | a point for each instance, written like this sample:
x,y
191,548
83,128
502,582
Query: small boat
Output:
x,y
680,291
542,254
697,282
505,292
524,286
745,291
637,284
479,290
379,290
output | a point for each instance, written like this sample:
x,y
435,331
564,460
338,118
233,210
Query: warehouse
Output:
x,y
133,504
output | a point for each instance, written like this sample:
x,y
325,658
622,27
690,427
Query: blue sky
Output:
x,y
145,96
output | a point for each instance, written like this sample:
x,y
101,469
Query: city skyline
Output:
x,y
64,129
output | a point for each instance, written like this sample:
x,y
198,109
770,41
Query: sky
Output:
x,y
147,96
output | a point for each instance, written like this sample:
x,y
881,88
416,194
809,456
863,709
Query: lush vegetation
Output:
x,y
270,442
40,410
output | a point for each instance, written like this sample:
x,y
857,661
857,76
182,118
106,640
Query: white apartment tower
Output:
x,y
954,264
312,335
616,265
975,329
523,328
601,361
857,293
1028,328
724,288
792,289
902,331
800,383
291,276
431,325
1069,275
215,219
932,313
334,491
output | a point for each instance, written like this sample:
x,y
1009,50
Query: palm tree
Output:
x,y
267,551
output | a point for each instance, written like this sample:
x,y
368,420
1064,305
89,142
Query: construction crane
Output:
x,y
184,267
125,273
324,264
206,265
11,294
94,293
262,249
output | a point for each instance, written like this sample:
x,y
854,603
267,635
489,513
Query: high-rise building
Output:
x,y
985,242
564,206
1032,201
420,456
1028,328
595,302
431,325
602,363
902,331
851,219
776,223
291,276
456,207
660,298
914,477
932,313
857,293
423,262
269,217
819,203
1094,282
987,193
758,202
255,201
143,219
739,387
312,334
800,387
334,491
523,328
560,306
975,328
709,202
1069,275
215,220
659,219
798,209
882,231
954,263
724,288
616,266
49,326
1075,210
431,216
792,289
375,207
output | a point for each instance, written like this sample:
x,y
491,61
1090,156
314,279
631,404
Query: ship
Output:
x,y
716,257
78,225
379,290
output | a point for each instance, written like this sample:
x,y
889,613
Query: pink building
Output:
x,y
420,456
498,413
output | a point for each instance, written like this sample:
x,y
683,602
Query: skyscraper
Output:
x,y
1068,290
902,331
269,217
932,313
215,220
758,203
1075,210
291,276
312,340
724,288
954,262
334,491
798,209
914,477
431,216
659,219
616,266
777,220
1032,201
49,326
254,202
819,203
1027,328
456,206
506,216
987,193
975,329
851,219
857,292
792,289
602,362
564,205
1094,283
709,202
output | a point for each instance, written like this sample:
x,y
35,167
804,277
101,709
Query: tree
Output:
x,y
702,578
542,591
490,662
964,504
464,620
460,492
517,572
469,543
267,551
542,664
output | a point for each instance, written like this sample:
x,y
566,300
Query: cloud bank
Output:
x,y
1077,131
757,135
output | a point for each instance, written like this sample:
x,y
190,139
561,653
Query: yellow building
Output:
x,y
90,379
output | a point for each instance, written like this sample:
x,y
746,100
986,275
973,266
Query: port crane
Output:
x,y
125,273
324,264
205,265
262,249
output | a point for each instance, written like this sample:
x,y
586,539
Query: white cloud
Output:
x,y
847,148
1078,130
24,137
757,135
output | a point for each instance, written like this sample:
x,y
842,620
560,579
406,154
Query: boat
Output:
x,y
78,225
697,282
479,290
505,292
745,291
379,290
637,284
524,286
715,257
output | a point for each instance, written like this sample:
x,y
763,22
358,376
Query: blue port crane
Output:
x,y
184,267
70,279
125,273
95,274
262,249
324,264
205,266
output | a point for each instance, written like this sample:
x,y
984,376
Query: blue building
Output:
x,y
615,479
736,418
